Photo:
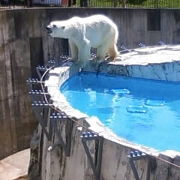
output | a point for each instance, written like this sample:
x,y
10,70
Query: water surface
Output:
x,y
143,111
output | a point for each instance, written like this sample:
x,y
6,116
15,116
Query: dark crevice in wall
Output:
x,y
18,24
177,16
36,54
154,20
60,47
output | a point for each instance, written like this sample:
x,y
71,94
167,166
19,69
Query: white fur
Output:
x,y
97,31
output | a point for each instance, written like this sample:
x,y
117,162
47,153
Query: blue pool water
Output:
x,y
143,111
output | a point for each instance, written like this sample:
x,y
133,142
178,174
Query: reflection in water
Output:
x,y
143,111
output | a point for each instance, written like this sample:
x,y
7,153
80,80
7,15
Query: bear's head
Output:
x,y
57,29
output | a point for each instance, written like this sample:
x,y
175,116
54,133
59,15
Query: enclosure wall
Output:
x,y
24,44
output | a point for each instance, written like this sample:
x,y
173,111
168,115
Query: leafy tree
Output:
x,y
135,1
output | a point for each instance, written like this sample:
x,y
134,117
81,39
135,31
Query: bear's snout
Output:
x,y
48,30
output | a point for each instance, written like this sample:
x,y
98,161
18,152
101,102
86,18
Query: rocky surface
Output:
x,y
157,62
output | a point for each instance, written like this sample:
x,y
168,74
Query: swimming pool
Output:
x,y
142,111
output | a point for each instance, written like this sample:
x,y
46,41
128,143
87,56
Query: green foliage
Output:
x,y
162,3
115,3
135,1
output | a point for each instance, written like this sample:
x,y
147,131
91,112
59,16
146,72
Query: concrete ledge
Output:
x,y
15,167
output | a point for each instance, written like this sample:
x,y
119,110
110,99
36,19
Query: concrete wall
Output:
x,y
24,44
55,165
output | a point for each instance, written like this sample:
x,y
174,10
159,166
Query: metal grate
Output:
x,y
46,115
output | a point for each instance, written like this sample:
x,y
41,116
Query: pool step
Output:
x,y
41,104
136,155
89,135
42,68
58,115
34,81
38,92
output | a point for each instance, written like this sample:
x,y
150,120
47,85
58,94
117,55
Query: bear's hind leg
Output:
x,y
84,54
102,52
113,52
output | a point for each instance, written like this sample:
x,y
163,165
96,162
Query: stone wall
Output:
x,y
15,112
24,44
53,164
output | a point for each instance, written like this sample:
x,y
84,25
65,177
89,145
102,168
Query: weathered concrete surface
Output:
x,y
23,46
15,167
17,121
55,165
157,62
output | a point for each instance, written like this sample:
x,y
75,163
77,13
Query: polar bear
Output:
x,y
96,31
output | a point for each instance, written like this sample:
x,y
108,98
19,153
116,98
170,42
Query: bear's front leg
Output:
x,y
84,53
74,50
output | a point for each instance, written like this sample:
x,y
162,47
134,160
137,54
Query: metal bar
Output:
x,y
89,135
133,167
42,112
40,70
99,156
66,146
61,142
68,130
33,81
135,155
89,158
148,171
42,123
38,92
38,96
60,139
141,44
45,115
95,165
51,62
58,115
43,126
41,104
51,128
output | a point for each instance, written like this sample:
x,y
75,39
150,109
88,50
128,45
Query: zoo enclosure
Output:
x,y
96,3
